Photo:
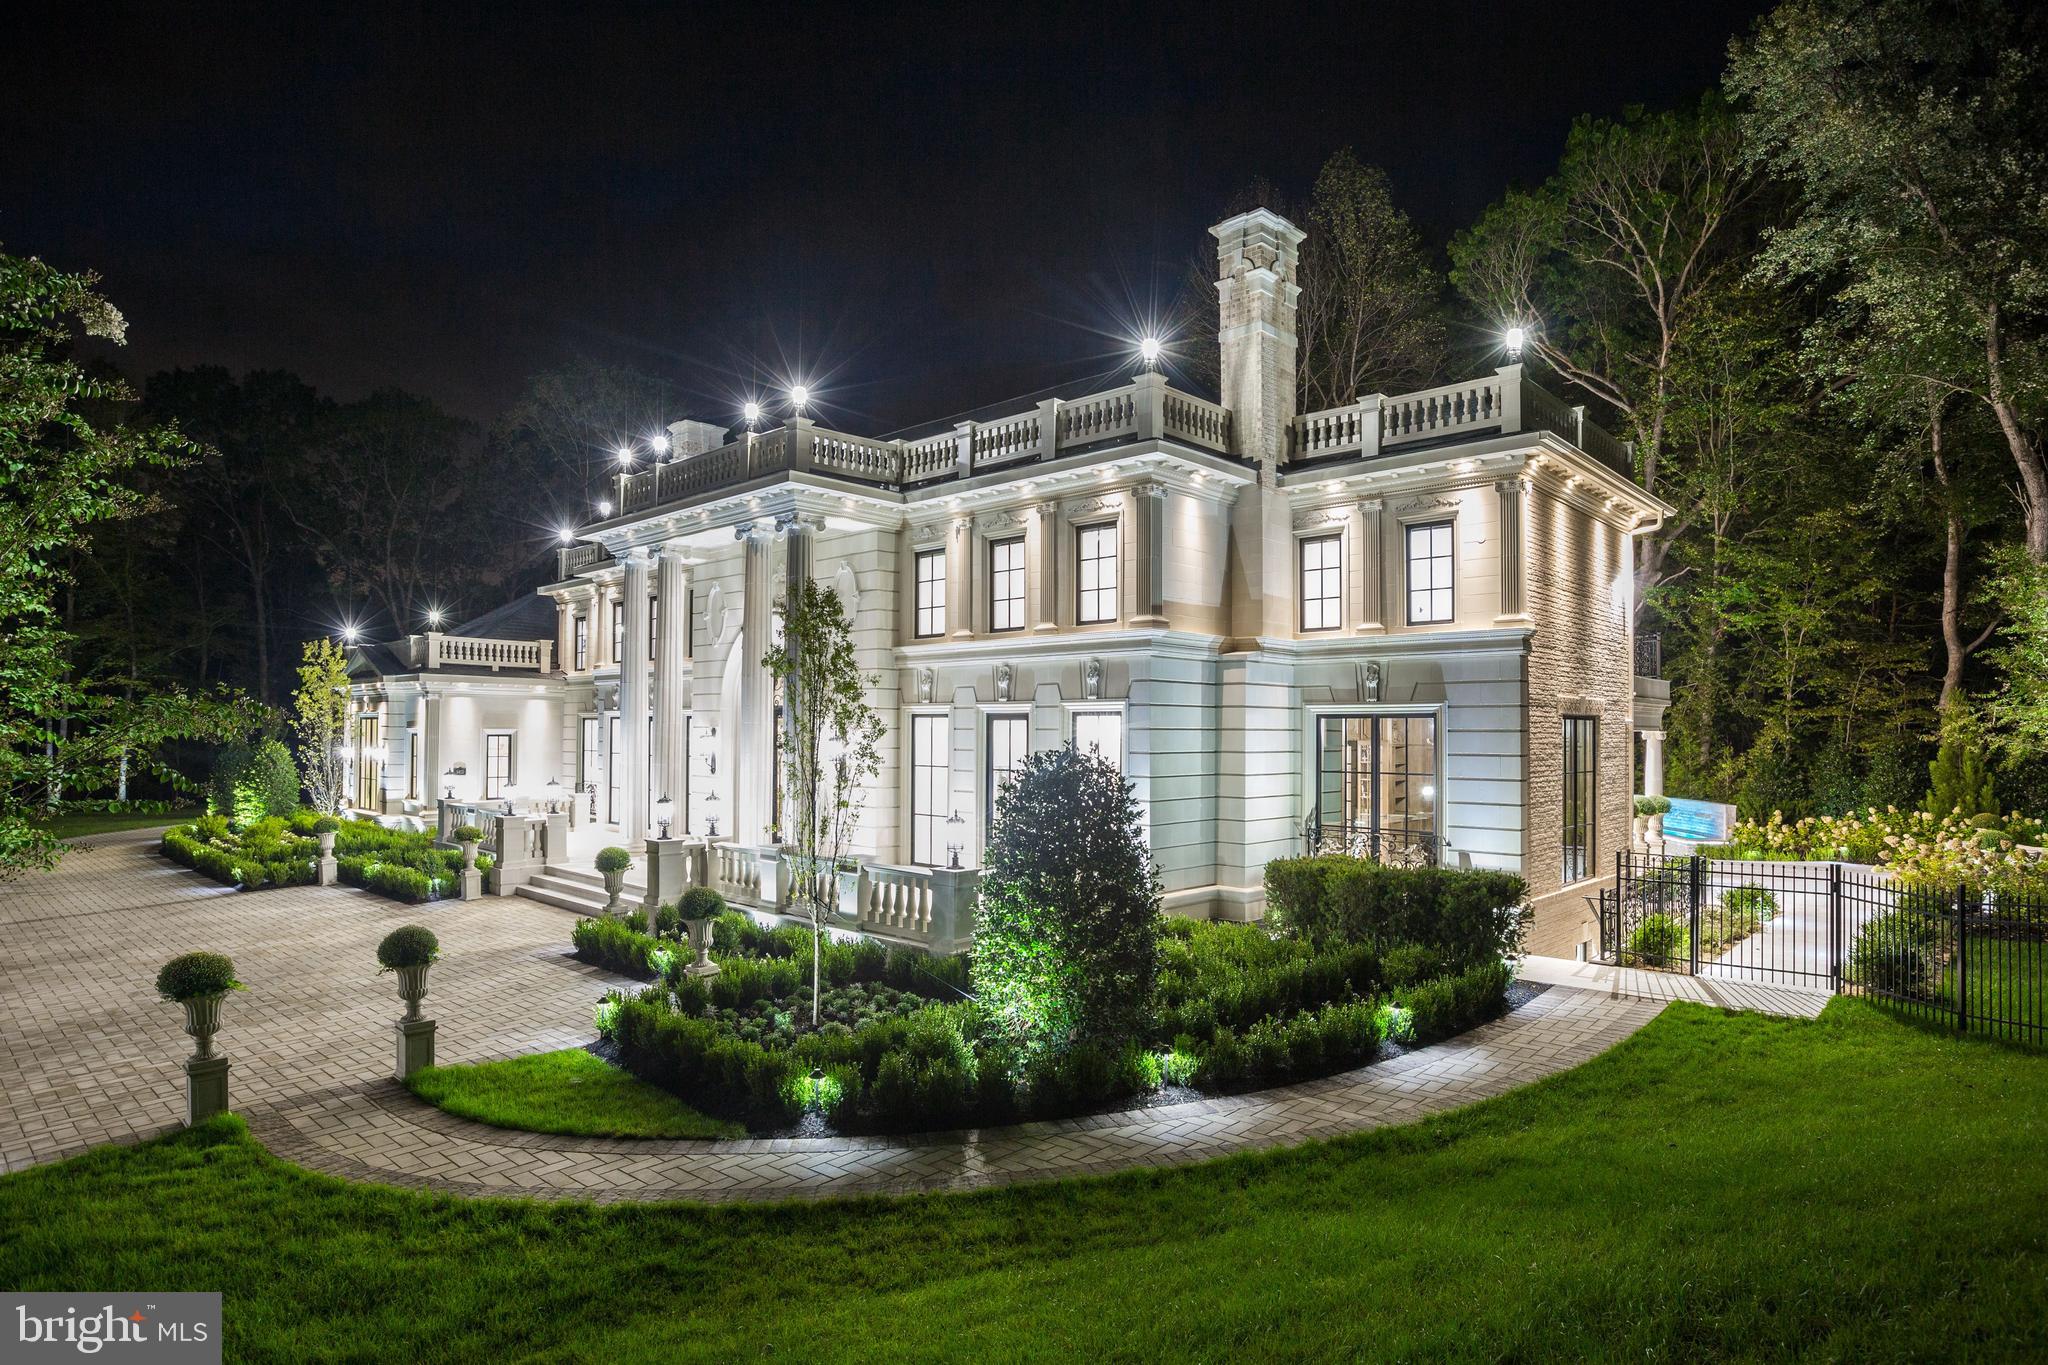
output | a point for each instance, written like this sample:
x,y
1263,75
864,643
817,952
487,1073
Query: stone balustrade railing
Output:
x,y
928,906
573,559
444,651
1507,401
1145,409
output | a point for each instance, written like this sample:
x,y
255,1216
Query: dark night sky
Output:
x,y
921,210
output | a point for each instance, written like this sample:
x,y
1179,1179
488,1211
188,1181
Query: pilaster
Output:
x,y
633,700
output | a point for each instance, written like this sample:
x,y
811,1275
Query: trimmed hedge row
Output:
x,y
1467,916
400,864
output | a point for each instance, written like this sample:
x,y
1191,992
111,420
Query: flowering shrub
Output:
x,y
1982,852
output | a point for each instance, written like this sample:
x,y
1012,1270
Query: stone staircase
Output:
x,y
579,890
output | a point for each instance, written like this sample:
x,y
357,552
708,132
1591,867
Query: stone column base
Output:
x,y
702,969
472,884
415,1045
206,1089
329,871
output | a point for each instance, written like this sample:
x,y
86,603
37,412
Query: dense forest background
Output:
x,y
1813,299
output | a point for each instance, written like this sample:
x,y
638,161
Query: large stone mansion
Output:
x,y
1402,626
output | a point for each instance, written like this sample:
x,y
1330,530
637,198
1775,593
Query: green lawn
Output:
x,y
1719,1186
565,1092
79,826
2007,981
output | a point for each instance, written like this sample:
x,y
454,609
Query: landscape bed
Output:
x,y
1358,955
404,865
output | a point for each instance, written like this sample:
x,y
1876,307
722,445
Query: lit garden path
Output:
x,y
88,1054
378,1131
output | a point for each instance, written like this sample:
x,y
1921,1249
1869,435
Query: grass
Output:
x,y
571,1092
2007,987
78,826
1721,1185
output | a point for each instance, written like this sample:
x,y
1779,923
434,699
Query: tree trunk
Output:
x,y
2033,469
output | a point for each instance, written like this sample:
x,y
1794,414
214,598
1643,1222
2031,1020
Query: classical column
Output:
x,y
671,698
430,747
1045,557
1371,603
633,700
960,577
1653,762
1510,492
1148,555
751,795
796,568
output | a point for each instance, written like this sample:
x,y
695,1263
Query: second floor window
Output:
x,y
582,645
618,632
1429,574
1321,590
931,593
1006,584
1098,574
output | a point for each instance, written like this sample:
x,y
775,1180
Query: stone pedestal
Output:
x,y
415,1045
328,870
206,1088
472,884
670,872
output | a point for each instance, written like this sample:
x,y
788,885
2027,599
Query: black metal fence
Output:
x,y
1650,656
1395,847
1979,961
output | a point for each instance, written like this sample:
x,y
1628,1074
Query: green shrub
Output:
x,y
1408,963
324,824
1898,953
191,976
613,860
468,834
932,1079
1451,1004
1751,902
607,943
1657,941
409,945
398,882
1467,916
701,902
251,781
1067,920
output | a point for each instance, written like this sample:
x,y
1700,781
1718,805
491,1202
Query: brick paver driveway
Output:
x,y
88,1054
92,1056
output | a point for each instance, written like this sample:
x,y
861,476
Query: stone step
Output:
x,y
588,877
590,907
573,893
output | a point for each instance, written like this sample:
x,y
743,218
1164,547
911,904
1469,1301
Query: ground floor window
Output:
x,y
412,765
369,772
928,784
612,774
1378,773
1007,747
1581,789
497,765
1101,732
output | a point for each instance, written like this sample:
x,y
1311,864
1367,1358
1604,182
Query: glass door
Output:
x,y
1377,782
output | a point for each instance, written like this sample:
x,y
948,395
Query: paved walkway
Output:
x,y
1630,983
88,1054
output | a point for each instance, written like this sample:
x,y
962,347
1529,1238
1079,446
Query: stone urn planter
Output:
x,y
699,908
326,838
611,865
199,982
326,870
407,952
468,838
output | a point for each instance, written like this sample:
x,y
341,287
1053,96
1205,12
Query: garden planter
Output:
x,y
1657,833
326,837
202,1021
412,987
469,855
1640,831
700,941
326,871
614,883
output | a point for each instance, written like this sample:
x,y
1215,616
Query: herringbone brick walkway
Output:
x,y
89,1055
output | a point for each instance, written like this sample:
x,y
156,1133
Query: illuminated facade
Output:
x,y
1401,626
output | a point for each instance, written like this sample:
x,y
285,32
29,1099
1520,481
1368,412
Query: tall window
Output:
x,y
593,759
690,624
653,624
1007,746
1321,584
1006,584
1429,573
1098,573
369,772
615,769
412,764
1378,773
618,632
931,592
497,765
1581,791
928,780
582,643
1102,732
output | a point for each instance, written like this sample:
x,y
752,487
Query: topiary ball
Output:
x,y
613,860
326,824
193,976
701,902
409,945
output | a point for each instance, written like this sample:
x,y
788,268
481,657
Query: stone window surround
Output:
x,y
511,761
1070,709
1081,526
907,785
1408,522
1338,534
919,557
991,542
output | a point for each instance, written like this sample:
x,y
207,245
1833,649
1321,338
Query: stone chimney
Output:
x,y
689,437
1256,289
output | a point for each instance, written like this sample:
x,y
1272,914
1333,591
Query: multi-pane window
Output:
x,y
1581,791
1098,573
497,765
1007,747
369,772
593,758
1429,573
1006,584
618,632
1101,732
412,764
582,643
1376,783
931,592
1321,584
928,782
653,624
615,771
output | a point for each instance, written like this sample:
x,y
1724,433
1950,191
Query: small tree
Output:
x,y
320,722
830,746
1959,776
1066,932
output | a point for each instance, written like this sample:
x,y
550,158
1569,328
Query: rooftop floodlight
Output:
x,y
752,412
568,536
604,509
625,454
348,634
799,396
1148,351
435,616
658,443
1516,337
